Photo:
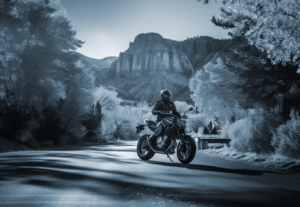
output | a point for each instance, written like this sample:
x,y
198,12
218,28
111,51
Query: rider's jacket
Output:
x,y
166,108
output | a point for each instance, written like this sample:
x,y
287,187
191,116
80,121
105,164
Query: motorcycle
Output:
x,y
166,143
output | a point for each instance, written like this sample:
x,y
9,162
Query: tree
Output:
x,y
107,98
270,25
210,91
35,35
257,79
39,78
9,37
92,120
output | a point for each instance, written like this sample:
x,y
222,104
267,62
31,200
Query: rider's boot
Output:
x,y
151,141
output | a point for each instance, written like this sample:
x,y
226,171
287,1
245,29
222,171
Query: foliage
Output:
x,y
34,35
254,132
286,139
124,119
44,89
257,79
92,120
225,130
182,106
272,26
107,98
196,121
210,91
119,121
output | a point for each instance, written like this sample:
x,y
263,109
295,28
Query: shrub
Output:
x,y
182,106
286,139
92,121
254,132
123,120
225,130
196,121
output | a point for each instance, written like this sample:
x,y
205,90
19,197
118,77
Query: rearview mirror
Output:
x,y
191,109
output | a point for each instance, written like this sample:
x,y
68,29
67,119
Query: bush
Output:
x,y
254,132
92,121
195,122
225,130
122,120
286,139
182,106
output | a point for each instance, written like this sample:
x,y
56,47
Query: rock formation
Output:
x,y
152,63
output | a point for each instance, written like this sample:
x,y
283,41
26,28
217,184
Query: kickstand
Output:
x,y
170,158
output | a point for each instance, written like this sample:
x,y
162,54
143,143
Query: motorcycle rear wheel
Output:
x,y
186,156
143,150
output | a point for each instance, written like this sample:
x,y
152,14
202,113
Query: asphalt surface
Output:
x,y
113,175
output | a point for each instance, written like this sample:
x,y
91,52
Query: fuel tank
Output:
x,y
151,124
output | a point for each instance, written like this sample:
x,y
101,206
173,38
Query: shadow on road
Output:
x,y
64,170
211,168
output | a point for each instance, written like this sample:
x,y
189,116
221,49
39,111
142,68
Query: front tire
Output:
x,y
143,150
185,156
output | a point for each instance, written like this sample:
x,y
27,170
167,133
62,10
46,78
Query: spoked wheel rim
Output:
x,y
144,148
184,154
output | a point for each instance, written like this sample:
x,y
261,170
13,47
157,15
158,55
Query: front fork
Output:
x,y
182,140
181,137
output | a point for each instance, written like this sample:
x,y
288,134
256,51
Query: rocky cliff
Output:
x,y
152,63
149,54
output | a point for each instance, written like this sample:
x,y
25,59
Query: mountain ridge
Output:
x,y
153,63
97,64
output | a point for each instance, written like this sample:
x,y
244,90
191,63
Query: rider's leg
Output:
x,y
156,133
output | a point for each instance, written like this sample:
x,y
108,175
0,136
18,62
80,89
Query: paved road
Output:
x,y
112,175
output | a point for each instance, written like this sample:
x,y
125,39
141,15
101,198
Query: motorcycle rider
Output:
x,y
165,105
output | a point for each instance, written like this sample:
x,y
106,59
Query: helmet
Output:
x,y
166,95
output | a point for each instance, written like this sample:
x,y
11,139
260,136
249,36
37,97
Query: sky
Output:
x,y
107,26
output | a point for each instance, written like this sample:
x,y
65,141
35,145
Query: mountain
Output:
x,y
152,63
97,64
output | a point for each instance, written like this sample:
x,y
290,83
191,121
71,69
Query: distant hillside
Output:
x,y
152,63
97,64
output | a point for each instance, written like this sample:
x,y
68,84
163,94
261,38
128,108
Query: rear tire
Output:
x,y
186,156
143,150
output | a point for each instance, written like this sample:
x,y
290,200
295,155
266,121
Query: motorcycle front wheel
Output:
x,y
186,154
143,150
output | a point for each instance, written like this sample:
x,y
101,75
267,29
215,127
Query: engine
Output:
x,y
162,141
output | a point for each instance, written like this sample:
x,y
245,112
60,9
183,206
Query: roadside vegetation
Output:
x,y
254,88
48,97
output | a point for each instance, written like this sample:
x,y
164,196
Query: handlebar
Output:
x,y
169,114
139,128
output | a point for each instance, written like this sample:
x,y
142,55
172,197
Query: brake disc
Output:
x,y
144,146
